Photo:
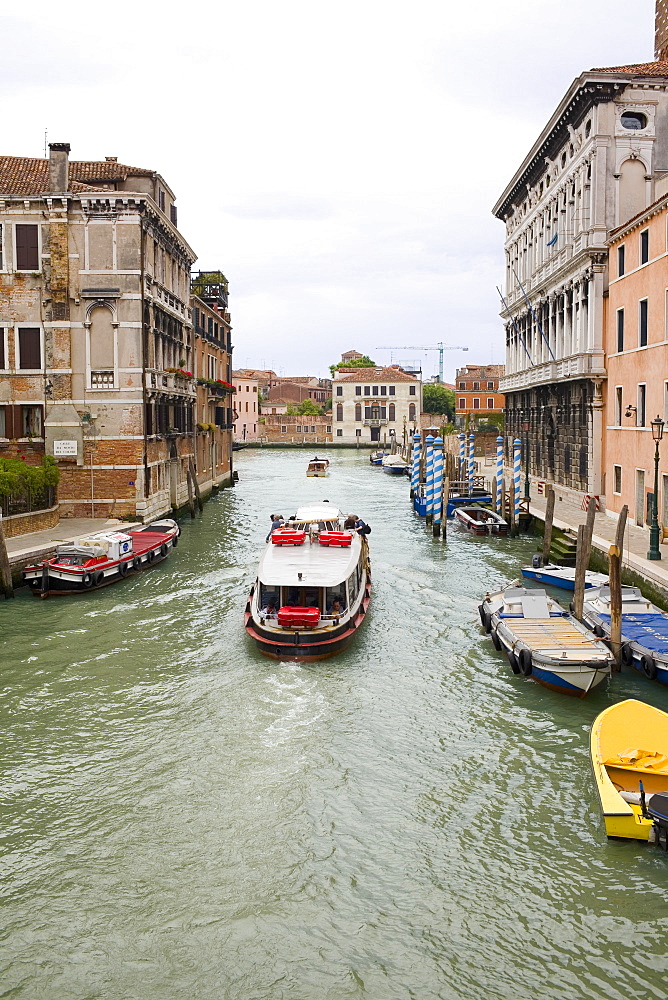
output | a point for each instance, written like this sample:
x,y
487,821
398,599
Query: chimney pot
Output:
x,y
59,167
111,159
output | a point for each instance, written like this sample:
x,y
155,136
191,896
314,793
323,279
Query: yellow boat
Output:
x,y
629,745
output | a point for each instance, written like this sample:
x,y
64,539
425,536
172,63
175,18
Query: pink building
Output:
x,y
246,410
636,345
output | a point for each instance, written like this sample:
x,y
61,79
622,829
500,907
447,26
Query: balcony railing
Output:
x,y
375,422
574,366
102,379
170,382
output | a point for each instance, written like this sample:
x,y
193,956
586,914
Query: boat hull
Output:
x,y
554,579
644,621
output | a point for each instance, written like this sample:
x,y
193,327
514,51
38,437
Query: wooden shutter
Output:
x,y
27,256
3,359
30,348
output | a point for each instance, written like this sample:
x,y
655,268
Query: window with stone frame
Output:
x,y
2,247
644,246
642,323
26,247
29,348
617,476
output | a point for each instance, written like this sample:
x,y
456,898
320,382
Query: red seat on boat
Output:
x,y
288,536
341,538
298,617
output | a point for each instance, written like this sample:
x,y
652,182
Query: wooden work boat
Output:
x,y
545,642
632,782
313,587
96,561
481,520
318,467
644,630
561,576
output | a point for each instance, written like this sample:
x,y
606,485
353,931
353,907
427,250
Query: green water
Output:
x,y
182,818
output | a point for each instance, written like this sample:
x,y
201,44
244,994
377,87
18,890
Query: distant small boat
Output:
x,y
481,520
545,642
644,630
376,457
562,576
395,465
318,467
632,782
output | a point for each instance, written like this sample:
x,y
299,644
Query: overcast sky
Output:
x,y
338,161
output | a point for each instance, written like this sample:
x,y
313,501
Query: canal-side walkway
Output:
x,y
568,515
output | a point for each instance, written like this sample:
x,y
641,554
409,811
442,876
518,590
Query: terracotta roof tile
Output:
x,y
27,175
378,375
656,68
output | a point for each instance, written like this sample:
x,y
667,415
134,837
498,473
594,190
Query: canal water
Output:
x,y
182,818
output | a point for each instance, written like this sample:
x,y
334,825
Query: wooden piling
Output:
x,y
549,520
615,574
5,569
580,569
191,502
621,528
444,517
193,476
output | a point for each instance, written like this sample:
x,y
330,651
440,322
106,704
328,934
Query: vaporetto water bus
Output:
x,y
313,586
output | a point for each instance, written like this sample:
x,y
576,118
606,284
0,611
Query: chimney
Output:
x,y
661,30
111,159
58,167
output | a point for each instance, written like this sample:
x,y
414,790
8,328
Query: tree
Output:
x,y
309,409
364,362
438,399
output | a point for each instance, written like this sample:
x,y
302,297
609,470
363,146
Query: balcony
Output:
x,y
170,382
102,379
375,422
572,367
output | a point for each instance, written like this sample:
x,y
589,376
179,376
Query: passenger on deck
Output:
x,y
276,523
336,607
357,524
269,611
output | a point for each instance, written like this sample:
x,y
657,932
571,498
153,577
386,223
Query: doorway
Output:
x,y
640,497
375,433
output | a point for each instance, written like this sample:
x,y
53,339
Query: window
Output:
x,y
620,260
358,390
313,430
172,214
339,411
411,412
27,247
358,411
329,428
358,432
476,403
299,428
29,348
392,393
462,385
283,430
161,199
3,351
619,407
374,391
462,404
383,390
620,329
642,324
490,385
411,390
633,120
476,386
2,266
31,421
640,409
3,422
644,246
367,390
339,390
490,403
391,412
339,433
617,477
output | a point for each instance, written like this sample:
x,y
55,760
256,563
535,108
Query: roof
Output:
x,y
26,175
260,373
637,220
243,373
658,67
392,374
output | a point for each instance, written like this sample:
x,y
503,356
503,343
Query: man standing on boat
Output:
x,y
276,523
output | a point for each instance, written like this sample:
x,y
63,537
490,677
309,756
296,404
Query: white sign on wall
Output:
x,y
64,448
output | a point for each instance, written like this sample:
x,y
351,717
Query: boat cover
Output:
x,y
650,630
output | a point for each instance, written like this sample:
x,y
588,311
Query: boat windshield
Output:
x,y
335,600
317,525
301,597
70,560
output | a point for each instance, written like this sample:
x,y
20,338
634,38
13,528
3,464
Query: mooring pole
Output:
x,y
615,575
5,569
549,520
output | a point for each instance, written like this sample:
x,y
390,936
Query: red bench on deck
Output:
x,y
341,538
298,617
288,536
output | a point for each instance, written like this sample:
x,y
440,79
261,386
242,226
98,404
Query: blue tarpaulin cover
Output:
x,y
647,630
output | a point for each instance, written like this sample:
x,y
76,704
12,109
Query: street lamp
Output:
x,y
657,433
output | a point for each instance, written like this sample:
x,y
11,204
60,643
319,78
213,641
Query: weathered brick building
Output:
x,y
477,395
97,333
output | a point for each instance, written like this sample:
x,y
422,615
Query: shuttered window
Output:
x,y
27,248
30,348
3,422
3,356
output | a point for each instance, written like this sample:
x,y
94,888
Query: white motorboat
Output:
x,y
395,465
644,629
561,576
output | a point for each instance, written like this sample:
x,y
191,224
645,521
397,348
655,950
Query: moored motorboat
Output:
x,y
545,642
644,630
632,782
376,457
318,467
561,576
481,520
395,465
313,586
95,561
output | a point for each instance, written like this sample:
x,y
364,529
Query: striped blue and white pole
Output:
x,y
415,469
429,479
471,461
517,446
462,457
499,474
438,485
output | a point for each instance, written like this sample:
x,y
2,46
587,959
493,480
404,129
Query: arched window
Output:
x,y
632,196
390,414
339,411
358,411
101,334
411,412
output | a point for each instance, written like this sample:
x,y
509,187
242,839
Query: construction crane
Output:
x,y
440,347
